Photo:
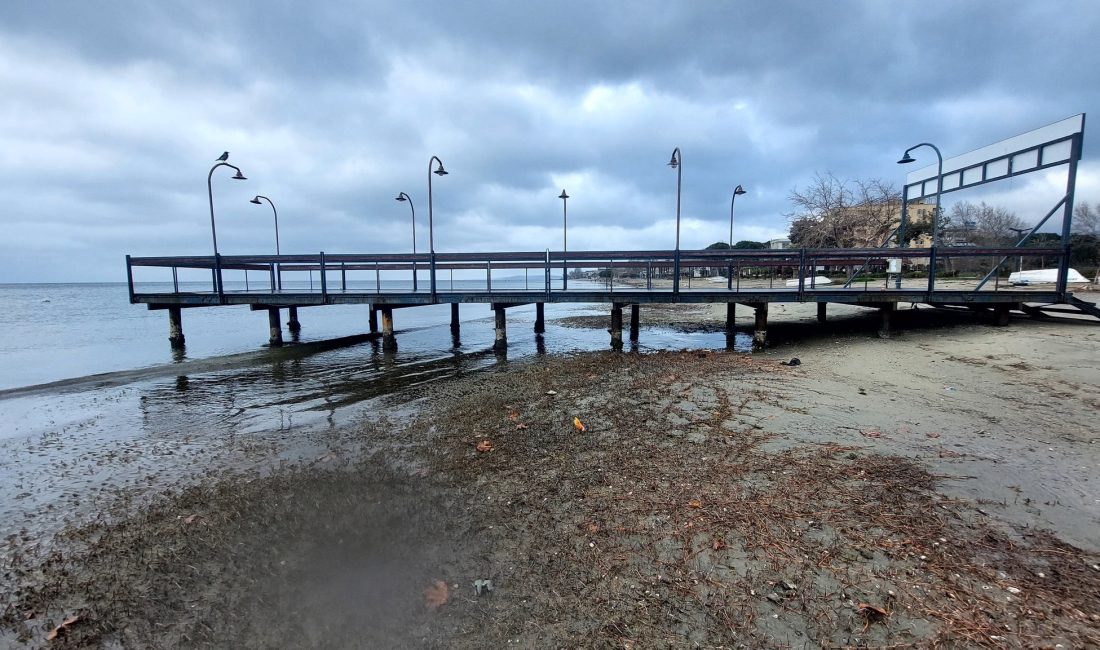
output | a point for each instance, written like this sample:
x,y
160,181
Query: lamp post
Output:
x,y
906,159
431,236
564,239
737,191
402,197
676,162
256,200
213,230
939,176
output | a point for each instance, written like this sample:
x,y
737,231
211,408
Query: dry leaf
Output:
x,y
436,595
932,434
873,612
521,426
513,416
578,425
484,445
190,519
872,433
592,528
695,503
61,628
718,544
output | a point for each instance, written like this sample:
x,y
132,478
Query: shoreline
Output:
x,y
945,419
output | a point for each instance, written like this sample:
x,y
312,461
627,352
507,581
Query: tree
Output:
x,y
1086,219
745,244
984,225
718,246
835,213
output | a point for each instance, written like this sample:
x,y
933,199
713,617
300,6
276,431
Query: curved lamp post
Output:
x,y
256,200
564,239
213,230
737,191
279,271
402,197
431,233
906,159
676,162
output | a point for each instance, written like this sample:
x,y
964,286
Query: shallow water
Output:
x,y
153,417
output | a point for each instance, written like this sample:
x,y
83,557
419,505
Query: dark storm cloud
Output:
x,y
114,114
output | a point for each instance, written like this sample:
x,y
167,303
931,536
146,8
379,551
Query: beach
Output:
x,y
937,488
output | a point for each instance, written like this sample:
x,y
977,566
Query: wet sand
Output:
x,y
935,488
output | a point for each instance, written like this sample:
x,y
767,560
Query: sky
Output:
x,y
112,114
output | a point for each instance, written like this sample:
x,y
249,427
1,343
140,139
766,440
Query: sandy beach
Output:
x,y
938,488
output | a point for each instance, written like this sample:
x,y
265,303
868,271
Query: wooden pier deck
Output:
x,y
753,278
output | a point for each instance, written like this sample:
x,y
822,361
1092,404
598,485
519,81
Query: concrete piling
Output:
x,y
821,307
454,318
617,326
389,341
501,340
1000,315
175,327
731,316
760,332
540,317
373,320
886,312
634,318
292,324
275,328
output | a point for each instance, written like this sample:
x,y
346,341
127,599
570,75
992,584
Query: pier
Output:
x,y
751,278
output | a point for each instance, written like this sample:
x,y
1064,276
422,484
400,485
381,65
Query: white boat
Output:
x,y
716,279
816,281
1044,276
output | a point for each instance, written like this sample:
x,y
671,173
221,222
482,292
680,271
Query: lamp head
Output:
x,y
906,159
400,197
738,191
441,171
563,195
239,176
256,200
674,162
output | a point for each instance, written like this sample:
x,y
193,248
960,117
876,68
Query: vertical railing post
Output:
x,y
489,275
932,269
432,258
1067,213
377,279
649,275
801,272
130,278
676,273
271,271
324,280
343,277
548,272
175,280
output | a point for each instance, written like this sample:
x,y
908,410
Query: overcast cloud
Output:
x,y
112,113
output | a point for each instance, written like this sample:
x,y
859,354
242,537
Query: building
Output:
x,y
779,244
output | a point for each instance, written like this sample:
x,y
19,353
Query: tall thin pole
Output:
x,y
431,230
257,202
733,199
564,239
213,230
677,163
405,197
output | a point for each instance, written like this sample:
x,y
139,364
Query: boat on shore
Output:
x,y
816,281
1044,276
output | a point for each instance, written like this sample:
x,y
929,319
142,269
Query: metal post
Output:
x,y
175,282
616,326
901,229
276,331
218,278
324,281
175,327
130,278
1067,212
634,324
564,240
343,277
431,228
931,270
489,276
540,317
405,197
677,163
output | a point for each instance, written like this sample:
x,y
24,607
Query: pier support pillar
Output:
x,y
886,312
731,316
373,320
501,340
1000,315
275,339
617,326
760,331
540,317
175,327
454,318
821,308
389,341
634,318
292,324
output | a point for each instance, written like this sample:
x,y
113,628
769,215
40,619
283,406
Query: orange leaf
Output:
x,y
513,416
521,426
873,611
484,445
932,434
718,544
872,433
592,528
436,595
695,503
61,628
190,519
578,425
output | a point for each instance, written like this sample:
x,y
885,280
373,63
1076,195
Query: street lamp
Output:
x,y
256,200
431,236
213,231
564,239
906,159
402,197
279,272
676,162
737,191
